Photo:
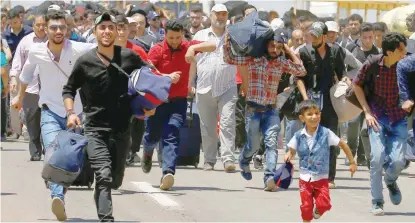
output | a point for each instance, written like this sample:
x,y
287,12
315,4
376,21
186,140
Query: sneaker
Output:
x,y
316,214
208,166
394,193
361,162
229,166
270,184
115,192
132,159
146,163
58,209
377,209
167,181
332,185
245,171
258,162
35,157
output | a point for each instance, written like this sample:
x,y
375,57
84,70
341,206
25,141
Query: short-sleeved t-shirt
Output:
x,y
333,139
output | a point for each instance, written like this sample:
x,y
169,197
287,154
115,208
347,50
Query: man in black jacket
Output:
x,y
323,63
103,91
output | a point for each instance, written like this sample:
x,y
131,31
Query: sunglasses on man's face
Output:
x,y
56,27
156,19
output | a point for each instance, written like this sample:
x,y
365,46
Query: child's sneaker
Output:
x,y
316,214
394,193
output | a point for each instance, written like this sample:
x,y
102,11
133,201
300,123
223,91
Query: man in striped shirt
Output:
x,y
216,94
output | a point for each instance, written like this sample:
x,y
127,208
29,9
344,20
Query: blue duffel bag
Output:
x,y
64,158
250,37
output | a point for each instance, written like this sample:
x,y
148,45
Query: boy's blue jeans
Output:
x,y
267,122
388,149
51,124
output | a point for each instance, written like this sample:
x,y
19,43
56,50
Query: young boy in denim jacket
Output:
x,y
312,144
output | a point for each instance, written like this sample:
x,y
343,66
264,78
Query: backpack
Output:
x,y
368,82
249,37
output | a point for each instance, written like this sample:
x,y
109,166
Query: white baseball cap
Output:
x,y
277,23
130,20
219,8
332,26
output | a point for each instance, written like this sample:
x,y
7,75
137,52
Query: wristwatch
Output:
x,y
69,112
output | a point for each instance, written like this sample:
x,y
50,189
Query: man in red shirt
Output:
x,y
172,55
137,126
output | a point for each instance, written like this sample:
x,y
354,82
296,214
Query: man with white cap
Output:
x,y
216,93
332,35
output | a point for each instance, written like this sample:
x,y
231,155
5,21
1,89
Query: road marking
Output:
x,y
157,195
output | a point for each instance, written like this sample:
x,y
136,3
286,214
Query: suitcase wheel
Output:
x,y
196,164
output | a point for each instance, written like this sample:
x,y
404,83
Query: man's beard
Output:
x,y
58,43
317,46
219,24
106,44
196,26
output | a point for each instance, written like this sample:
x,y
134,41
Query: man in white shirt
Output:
x,y
30,104
216,93
54,60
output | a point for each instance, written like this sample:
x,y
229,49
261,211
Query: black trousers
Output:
x,y
107,152
3,117
137,127
330,120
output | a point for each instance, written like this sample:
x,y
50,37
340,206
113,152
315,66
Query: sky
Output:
x,y
281,6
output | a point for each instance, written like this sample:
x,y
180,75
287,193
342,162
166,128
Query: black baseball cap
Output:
x,y
281,35
106,16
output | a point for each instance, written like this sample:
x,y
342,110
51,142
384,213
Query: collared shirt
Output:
x,y
51,78
20,58
168,61
333,139
264,75
159,34
386,93
213,74
406,66
13,39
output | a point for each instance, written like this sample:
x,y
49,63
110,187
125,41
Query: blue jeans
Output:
x,y
51,124
166,124
388,147
268,123
291,127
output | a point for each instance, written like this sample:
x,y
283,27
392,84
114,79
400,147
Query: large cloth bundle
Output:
x,y
148,90
250,37
64,158
395,19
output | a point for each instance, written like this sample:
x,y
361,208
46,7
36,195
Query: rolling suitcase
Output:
x,y
190,138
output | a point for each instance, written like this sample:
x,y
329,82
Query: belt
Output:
x,y
45,107
175,99
264,109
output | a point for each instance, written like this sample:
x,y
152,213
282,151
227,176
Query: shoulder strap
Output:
x,y
114,64
57,65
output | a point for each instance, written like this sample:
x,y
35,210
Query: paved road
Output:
x,y
197,196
